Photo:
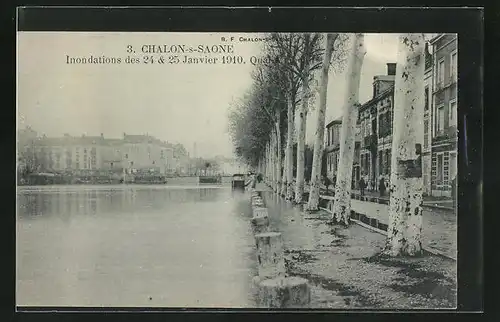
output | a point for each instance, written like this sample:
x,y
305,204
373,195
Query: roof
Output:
x,y
433,40
378,97
338,120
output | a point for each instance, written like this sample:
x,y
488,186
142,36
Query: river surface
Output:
x,y
174,245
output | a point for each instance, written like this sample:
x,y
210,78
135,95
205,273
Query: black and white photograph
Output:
x,y
237,170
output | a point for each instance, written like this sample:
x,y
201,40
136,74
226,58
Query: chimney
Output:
x,y
391,69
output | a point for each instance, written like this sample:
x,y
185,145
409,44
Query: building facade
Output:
x,y
376,123
444,113
94,154
332,147
332,151
427,148
145,153
375,118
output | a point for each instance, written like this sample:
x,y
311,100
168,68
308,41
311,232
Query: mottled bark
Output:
x,y
273,161
313,202
405,211
283,175
289,148
342,200
278,154
301,138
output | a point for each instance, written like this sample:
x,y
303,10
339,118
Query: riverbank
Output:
x,y
345,268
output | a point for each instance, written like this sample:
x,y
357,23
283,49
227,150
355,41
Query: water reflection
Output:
x,y
87,201
134,246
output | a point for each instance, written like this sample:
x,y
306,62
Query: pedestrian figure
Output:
x,y
381,187
326,182
362,186
254,180
454,191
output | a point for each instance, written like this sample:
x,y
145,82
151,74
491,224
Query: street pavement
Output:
x,y
344,269
439,228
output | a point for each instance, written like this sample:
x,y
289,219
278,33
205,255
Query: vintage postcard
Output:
x,y
237,170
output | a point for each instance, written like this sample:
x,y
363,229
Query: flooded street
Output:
x,y
172,245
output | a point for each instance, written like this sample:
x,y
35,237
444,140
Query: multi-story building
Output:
x,y
375,118
26,154
146,153
444,113
332,150
332,147
91,154
69,153
181,159
427,148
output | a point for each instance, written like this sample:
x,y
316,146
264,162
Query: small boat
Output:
x,y
209,179
238,182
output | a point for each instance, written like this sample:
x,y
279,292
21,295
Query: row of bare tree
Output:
x,y
262,124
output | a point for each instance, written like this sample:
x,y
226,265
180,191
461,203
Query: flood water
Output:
x,y
175,245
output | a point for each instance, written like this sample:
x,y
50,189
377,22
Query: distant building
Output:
x,y
444,113
375,118
332,147
26,153
332,151
145,153
427,148
376,125
69,153
181,160
91,154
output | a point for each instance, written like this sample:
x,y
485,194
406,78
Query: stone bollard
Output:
x,y
270,257
259,211
282,292
257,199
260,221
257,203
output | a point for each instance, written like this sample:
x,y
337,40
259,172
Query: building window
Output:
x,y
453,165
381,162
453,113
440,73
453,66
426,98
381,125
388,159
426,134
439,172
440,119
68,158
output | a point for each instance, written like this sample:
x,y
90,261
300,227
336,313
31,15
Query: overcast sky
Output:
x,y
176,103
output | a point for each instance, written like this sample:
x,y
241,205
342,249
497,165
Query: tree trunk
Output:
x,y
301,139
278,154
289,148
283,175
342,199
271,161
405,211
266,162
313,201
